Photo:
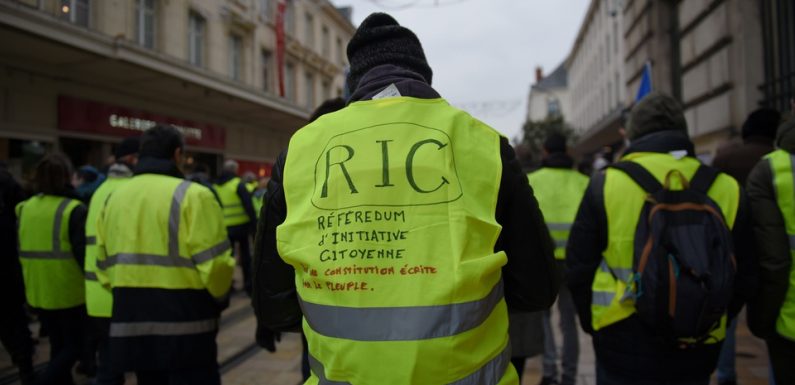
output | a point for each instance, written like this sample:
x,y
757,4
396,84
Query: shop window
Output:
x,y
196,27
76,11
145,23
309,90
235,57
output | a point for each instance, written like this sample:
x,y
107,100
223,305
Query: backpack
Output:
x,y
683,265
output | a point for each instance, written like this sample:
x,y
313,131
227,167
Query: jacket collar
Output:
x,y
150,165
408,83
557,160
662,142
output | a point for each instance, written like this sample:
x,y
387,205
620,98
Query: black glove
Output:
x,y
267,338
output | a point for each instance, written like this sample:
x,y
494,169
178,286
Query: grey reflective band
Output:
x,y
561,242
489,374
233,206
45,254
622,274
400,323
91,276
602,298
558,226
144,259
211,253
140,329
320,372
91,241
56,228
173,218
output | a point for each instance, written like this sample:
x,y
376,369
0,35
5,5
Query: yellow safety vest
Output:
x,y
53,278
781,163
559,192
160,232
234,213
99,301
391,229
623,200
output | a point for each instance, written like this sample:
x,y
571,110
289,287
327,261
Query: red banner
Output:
x,y
87,116
281,8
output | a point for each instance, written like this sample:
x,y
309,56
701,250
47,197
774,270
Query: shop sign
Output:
x,y
86,116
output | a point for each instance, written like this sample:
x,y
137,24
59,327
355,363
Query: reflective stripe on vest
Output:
x,y
782,166
391,231
623,199
141,329
53,279
234,213
559,192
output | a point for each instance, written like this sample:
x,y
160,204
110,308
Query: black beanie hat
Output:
x,y
381,40
762,122
128,146
555,143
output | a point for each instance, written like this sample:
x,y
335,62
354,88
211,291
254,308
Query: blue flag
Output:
x,y
645,83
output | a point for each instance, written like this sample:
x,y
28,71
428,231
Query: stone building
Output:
x,y
79,75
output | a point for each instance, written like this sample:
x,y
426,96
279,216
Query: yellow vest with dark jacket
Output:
x,y
623,201
781,163
559,192
53,278
234,212
391,229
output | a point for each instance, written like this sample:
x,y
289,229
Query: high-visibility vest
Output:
x,y
391,229
784,181
234,213
99,301
163,249
258,200
559,192
53,278
623,201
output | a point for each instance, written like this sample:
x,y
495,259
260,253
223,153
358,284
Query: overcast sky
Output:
x,y
484,52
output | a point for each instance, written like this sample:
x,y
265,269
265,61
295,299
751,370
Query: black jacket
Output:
x,y
10,270
529,276
628,347
773,247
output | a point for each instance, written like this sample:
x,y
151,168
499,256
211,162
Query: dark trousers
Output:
x,y
239,235
306,372
518,363
193,376
15,336
782,358
66,330
603,377
100,327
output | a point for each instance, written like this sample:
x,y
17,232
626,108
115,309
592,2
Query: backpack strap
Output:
x,y
640,175
703,179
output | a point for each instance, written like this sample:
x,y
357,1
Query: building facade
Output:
x,y
79,75
549,96
596,76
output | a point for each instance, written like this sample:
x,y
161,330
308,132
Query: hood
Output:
x,y
662,142
408,83
656,112
785,136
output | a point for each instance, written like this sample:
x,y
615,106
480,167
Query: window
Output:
x,y
265,9
265,63
326,90
196,27
309,31
145,23
553,107
76,11
309,85
235,56
615,38
289,17
607,45
340,53
289,82
326,43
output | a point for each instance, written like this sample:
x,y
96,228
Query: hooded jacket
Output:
x,y
529,278
773,248
628,347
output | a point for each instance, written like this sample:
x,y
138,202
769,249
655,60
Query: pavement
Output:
x,y
243,364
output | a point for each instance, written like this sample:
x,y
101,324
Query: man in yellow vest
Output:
x,y
239,216
99,301
559,189
51,251
599,257
411,230
163,251
771,314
